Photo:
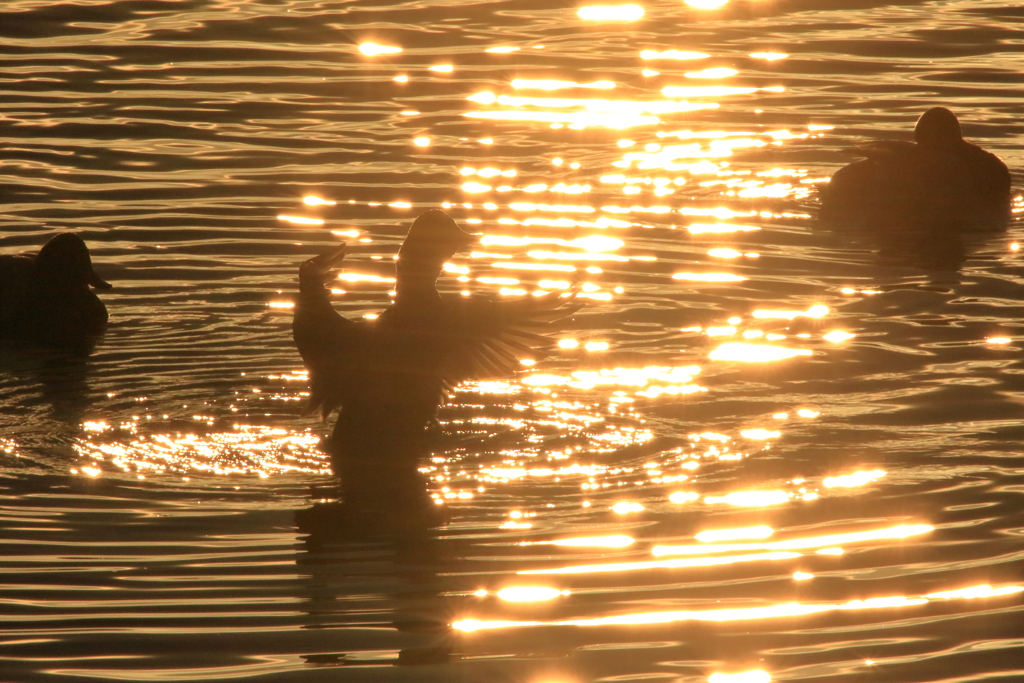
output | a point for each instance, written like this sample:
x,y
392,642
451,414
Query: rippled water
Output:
x,y
655,501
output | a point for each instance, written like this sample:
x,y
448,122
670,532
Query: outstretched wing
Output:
x,y
327,342
487,338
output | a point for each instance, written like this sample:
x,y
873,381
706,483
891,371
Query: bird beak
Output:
x,y
98,282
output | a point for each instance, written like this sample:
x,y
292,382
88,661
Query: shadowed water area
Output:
x,y
766,448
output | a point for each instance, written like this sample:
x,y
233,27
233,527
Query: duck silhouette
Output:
x,y
938,181
48,298
387,377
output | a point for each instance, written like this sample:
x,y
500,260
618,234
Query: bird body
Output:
x,y
48,298
938,181
386,377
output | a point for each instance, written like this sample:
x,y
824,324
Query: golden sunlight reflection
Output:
x,y
663,564
487,172
373,49
501,49
769,56
312,200
602,222
614,541
707,4
562,208
811,542
718,228
852,480
615,114
648,381
672,54
512,524
363,277
837,336
734,534
972,592
760,434
802,576
595,105
724,253
816,311
248,449
751,498
755,353
522,83
708,277
719,72
713,90
781,610
610,12
753,676
10,446
593,243
585,256
696,158
530,593
720,212
301,220
555,267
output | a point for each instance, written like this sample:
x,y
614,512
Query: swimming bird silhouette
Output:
x,y
48,298
387,377
938,181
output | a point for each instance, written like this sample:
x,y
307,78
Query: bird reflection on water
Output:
x,y
380,513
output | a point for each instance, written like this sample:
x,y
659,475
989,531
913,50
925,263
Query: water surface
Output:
x,y
765,447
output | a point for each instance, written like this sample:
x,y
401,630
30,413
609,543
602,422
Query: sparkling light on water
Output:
x,y
373,49
611,12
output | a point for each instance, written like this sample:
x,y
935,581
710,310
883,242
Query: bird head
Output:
x,y
434,236
320,270
937,127
65,260
432,240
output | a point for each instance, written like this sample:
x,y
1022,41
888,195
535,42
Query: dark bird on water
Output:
x,y
48,298
939,181
386,377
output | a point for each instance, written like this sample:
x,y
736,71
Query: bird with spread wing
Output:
x,y
386,377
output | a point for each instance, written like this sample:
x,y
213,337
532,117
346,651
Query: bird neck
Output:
x,y
416,279
417,291
313,295
312,290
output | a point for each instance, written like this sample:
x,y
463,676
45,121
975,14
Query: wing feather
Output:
x,y
487,339
328,342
